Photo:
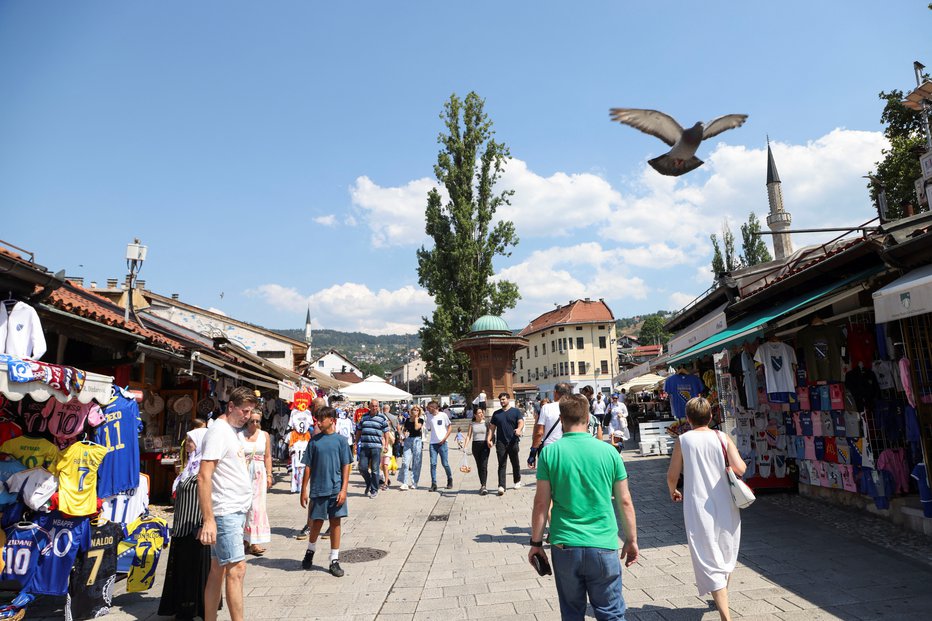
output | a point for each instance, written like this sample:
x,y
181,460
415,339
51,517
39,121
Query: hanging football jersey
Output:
x,y
127,506
68,536
33,452
77,478
8,468
301,421
119,432
9,430
25,544
90,592
148,536
66,420
36,486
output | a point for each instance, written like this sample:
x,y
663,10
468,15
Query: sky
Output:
x,y
275,157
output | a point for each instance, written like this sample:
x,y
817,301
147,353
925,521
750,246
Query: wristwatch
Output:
x,y
536,544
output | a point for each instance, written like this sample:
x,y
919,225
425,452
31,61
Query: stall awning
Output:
x,y
707,326
907,296
753,326
96,387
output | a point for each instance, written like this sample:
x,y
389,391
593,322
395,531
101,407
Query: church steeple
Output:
x,y
778,220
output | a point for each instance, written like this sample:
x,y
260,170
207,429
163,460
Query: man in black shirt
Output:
x,y
505,433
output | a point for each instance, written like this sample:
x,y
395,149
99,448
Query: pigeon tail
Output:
x,y
673,167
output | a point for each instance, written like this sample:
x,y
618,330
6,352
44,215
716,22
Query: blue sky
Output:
x,y
280,152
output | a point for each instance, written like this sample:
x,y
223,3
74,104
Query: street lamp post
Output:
x,y
135,255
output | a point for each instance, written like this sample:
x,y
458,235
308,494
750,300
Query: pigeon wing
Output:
x,y
723,123
651,122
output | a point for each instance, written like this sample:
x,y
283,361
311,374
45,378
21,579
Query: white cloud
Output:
x,y
558,275
328,220
678,300
354,307
395,215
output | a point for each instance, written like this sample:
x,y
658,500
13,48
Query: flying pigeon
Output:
x,y
682,157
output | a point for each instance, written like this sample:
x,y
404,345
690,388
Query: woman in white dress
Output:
x,y
713,522
258,448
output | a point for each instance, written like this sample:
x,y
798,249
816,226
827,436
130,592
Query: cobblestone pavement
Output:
x,y
458,555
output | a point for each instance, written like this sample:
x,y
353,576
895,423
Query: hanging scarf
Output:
x,y
194,459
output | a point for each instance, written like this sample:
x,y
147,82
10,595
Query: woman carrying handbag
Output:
x,y
713,521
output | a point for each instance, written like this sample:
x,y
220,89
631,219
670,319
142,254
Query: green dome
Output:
x,y
490,323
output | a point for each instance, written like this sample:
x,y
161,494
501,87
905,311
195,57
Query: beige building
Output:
x,y
575,343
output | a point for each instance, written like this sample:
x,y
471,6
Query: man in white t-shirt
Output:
x,y
618,424
440,428
225,494
548,428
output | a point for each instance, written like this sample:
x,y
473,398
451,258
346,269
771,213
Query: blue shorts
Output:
x,y
325,508
229,547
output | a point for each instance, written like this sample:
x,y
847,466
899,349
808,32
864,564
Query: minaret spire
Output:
x,y
778,220
308,336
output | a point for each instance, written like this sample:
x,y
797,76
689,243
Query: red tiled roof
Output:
x,y
75,299
648,350
578,311
804,265
350,377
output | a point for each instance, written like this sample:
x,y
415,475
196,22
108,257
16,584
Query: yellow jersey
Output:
x,y
32,452
77,478
148,535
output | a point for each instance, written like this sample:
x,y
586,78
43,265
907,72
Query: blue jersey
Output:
x,y
68,537
24,547
681,388
119,471
8,467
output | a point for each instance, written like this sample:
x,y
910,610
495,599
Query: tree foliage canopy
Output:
x,y
652,332
458,270
753,248
897,172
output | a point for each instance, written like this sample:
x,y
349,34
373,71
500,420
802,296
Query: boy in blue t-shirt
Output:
x,y
326,477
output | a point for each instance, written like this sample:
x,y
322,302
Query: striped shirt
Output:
x,y
371,427
188,517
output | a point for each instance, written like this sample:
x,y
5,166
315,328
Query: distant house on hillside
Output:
x,y
627,341
334,363
646,352
409,372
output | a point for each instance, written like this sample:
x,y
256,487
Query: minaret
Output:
x,y
308,338
778,220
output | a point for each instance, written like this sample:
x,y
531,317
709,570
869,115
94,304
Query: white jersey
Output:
x,y
126,507
778,360
36,486
301,421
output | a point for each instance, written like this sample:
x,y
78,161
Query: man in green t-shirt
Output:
x,y
580,475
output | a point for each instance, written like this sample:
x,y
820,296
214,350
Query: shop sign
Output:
x,y
925,162
905,297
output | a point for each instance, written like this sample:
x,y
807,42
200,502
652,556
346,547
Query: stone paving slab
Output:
x,y
799,560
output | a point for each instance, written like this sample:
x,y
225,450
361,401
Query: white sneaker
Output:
x,y
413,487
501,491
403,487
518,485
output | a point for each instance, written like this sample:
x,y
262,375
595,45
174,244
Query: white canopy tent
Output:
x,y
374,387
648,380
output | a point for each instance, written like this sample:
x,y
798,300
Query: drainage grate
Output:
x,y
438,517
362,555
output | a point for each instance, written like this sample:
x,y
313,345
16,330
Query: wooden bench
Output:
x,y
654,438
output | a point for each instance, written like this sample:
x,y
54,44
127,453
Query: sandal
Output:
x,y
255,550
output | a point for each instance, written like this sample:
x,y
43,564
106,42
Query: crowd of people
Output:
x,y
581,506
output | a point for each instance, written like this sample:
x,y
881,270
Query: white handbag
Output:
x,y
741,493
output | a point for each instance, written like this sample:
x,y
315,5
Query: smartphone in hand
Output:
x,y
541,565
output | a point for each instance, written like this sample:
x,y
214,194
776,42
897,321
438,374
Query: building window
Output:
x,y
521,362
553,346
579,328
605,366
571,342
602,344
535,351
544,348
572,366
270,354
320,363
601,327
554,368
560,329
579,342
551,332
582,367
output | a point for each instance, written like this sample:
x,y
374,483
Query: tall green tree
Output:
x,y
652,332
753,248
897,172
718,262
457,271
732,260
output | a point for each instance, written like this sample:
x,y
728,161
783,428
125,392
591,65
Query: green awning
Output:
x,y
753,326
